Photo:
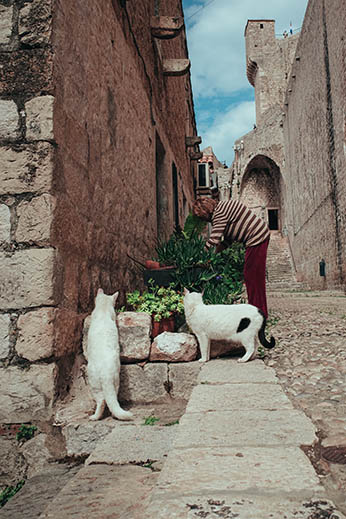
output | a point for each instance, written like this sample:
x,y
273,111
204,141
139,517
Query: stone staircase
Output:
x,y
236,452
280,268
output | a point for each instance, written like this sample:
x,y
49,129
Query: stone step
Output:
x,y
280,271
237,452
34,497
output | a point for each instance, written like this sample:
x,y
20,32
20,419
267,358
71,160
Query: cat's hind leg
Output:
x,y
110,388
100,406
250,350
204,346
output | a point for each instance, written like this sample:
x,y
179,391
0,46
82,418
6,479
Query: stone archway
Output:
x,y
260,190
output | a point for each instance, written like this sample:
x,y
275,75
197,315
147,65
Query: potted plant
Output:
x,y
162,303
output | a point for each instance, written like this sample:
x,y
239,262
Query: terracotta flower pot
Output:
x,y
150,264
165,325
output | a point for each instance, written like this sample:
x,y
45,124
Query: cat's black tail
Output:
x,y
261,334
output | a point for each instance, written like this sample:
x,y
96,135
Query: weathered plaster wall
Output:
x,y
315,146
83,104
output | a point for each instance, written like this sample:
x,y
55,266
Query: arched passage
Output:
x,y
260,190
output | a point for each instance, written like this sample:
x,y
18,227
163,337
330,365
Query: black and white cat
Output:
x,y
103,355
241,323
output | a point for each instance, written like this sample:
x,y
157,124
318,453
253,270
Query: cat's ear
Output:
x,y
186,291
100,291
202,293
115,296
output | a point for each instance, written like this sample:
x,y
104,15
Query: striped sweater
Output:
x,y
233,221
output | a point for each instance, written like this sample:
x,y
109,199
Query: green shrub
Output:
x,y
161,302
151,420
219,275
26,432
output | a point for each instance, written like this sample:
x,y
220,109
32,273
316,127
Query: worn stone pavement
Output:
x,y
249,446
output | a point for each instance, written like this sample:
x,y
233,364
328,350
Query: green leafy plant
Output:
x,y
218,275
160,302
26,432
260,352
151,420
9,492
149,465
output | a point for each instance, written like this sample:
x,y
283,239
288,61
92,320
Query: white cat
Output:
x,y
103,354
239,323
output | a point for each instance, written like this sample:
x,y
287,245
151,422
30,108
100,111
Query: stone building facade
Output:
x,y
98,154
291,167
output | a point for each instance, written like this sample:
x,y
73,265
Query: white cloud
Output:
x,y
216,43
216,39
227,127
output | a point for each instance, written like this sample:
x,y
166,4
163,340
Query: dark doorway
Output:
x,y
273,219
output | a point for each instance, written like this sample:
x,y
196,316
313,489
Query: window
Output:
x,y
261,25
203,175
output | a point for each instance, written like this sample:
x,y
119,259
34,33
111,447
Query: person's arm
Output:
x,y
219,223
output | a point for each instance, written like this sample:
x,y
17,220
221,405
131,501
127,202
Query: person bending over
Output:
x,y
233,221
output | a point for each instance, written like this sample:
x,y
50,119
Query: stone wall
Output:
x,y
269,60
27,256
315,146
91,132
300,92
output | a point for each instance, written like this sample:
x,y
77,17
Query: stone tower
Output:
x,y
269,61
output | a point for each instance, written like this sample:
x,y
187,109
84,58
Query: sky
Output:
x,y
223,97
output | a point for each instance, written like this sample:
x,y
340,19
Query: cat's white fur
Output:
x,y
221,322
103,354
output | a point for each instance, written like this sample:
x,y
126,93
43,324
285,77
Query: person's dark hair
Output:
x,y
204,207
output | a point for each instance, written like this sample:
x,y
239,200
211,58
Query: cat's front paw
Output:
x,y
93,417
203,360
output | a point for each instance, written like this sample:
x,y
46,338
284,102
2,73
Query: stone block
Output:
x,y
9,120
240,506
13,470
103,491
26,169
6,14
143,385
26,72
36,334
36,455
209,397
133,444
4,335
134,336
5,223
27,394
182,379
230,371
35,220
239,469
27,278
288,427
35,19
174,347
82,438
39,118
